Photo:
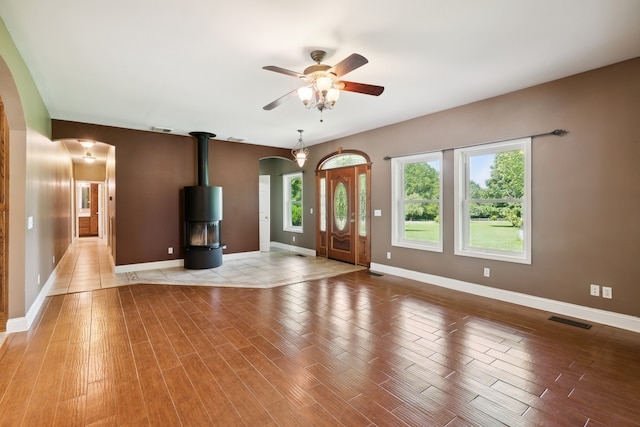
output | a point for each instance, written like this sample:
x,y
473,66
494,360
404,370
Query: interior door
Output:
x,y
264,212
341,213
93,205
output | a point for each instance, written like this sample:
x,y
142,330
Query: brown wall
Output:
x,y
151,169
585,189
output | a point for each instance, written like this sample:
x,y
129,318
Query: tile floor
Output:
x,y
87,266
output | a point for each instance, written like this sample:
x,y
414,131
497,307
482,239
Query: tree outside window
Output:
x,y
292,202
493,201
417,189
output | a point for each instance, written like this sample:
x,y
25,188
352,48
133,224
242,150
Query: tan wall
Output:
x,y
151,169
89,172
586,186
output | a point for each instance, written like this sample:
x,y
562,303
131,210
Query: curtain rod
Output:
x,y
557,132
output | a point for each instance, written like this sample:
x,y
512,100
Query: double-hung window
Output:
x,y
493,201
292,202
417,206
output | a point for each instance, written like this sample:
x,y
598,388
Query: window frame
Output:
x,y
398,202
462,200
287,203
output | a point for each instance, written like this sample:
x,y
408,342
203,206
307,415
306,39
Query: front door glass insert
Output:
x,y
340,206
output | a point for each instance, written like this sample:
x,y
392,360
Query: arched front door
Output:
x,y
343,195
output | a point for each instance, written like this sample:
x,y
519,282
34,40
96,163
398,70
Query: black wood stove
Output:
x,y
202,214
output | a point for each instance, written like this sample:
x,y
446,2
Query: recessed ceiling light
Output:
x,y
234,139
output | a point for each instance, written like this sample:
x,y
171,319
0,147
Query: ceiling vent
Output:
x,y
161,130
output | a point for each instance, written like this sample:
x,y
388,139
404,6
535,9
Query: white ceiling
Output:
x,y
197,64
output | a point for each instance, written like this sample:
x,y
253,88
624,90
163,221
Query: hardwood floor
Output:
x,y
353,350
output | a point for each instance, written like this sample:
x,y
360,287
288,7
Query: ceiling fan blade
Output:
x,y
280,100
283,71
361,88
348,64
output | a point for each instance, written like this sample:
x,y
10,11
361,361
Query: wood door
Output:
x,y
93,204
341,213
4,212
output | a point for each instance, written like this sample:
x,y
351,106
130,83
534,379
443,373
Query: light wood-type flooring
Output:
x,y
352,350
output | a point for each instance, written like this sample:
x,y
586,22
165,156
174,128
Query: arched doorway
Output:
x,y
343,194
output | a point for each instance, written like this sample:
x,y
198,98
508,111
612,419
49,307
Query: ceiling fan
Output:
x,y
322,85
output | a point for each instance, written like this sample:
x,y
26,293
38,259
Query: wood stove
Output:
x,y
202,214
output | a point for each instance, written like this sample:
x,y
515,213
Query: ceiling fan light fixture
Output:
x,y
300,152
305,94
332,96
323,84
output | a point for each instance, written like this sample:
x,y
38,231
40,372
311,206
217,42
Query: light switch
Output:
x,y
29,223
377,212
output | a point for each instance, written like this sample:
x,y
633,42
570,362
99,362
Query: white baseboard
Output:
x,y
604,317
291,248
156,265
239,255
21,324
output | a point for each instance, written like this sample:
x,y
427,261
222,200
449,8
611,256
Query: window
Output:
x,y
417,207
493,201
323,204
292,202
362,204
343,160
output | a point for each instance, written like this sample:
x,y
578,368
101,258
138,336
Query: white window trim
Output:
x,y
461,190
397,197
286,202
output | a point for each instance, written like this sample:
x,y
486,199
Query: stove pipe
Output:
x,y
203,156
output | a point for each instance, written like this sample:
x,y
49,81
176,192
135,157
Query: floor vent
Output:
x,y
570,322
301,255
373,273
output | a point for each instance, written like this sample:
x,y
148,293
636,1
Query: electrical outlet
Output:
x,y
595,290
388,255
607,292
170,250
294,238
487,272
38,279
